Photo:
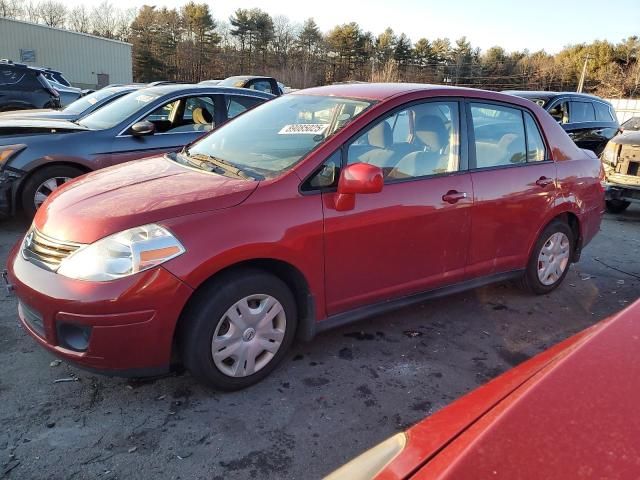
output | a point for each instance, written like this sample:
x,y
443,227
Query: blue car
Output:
x,y
39,155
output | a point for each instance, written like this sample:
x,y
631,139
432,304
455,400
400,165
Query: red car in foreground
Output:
x,y
569,413
313,210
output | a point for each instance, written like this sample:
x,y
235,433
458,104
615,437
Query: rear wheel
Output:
x,y
43,183
550,259
617,206
237,329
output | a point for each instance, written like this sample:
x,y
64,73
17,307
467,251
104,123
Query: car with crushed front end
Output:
x,y
621,160
37,156
313,210
567,413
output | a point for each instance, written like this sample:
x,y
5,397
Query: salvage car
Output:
x,y
39,155
589,120
252,82
78,109
319,208
568,413
621,160
23,87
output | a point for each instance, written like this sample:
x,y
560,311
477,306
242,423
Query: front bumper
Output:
x,y
625,193
6,191
123,327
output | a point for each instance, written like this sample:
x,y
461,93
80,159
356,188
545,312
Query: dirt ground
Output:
x,y
329,400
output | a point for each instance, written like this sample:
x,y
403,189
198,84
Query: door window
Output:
x,y
236,104
499,135
581,112
603,112
536,151
418,141
261,86
560,111
193,114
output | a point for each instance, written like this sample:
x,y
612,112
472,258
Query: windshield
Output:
x,y
84,103
117,111
632,124
273,137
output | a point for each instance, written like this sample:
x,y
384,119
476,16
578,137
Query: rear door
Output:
x,y
514,183
178,122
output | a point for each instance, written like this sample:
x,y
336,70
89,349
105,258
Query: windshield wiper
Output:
x,y
218,164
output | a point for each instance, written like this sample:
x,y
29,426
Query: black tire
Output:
x,y
617,206
530,280
206,310
38,178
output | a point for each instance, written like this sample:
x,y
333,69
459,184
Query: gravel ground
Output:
x,y
330,399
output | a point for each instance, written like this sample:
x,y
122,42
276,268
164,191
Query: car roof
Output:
x,y
548,95
198,88
385,91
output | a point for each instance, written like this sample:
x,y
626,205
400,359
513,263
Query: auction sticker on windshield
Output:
x,y
304,129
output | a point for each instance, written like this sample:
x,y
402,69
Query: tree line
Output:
x,y
189,44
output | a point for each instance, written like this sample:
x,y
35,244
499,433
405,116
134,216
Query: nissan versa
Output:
x,y
313,210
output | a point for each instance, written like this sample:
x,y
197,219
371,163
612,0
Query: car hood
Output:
x,y
630,137
37,114
133,194
26,126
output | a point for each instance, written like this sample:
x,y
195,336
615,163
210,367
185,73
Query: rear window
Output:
x,y
581,112
19,79
603,112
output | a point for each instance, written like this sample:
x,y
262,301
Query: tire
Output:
x,y
617,206
208,316
534,273
36,181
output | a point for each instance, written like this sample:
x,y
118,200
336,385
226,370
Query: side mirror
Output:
x,y
357,178
143,128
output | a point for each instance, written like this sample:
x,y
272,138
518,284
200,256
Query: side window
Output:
x,y
419,141
499,135
198,115
560,112
326,176
261,86
162,117
581,112
236,104
603,112
536,151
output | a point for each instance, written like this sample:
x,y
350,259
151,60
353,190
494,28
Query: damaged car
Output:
x,y
39,155
621,161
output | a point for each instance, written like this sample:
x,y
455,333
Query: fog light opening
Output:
x,y
74,337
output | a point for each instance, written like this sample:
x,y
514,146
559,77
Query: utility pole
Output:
x,y
584,74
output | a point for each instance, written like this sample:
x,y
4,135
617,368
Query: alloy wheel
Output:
x,y
248,335
46,188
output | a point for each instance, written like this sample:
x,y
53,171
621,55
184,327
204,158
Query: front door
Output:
x,y
514,184
413,235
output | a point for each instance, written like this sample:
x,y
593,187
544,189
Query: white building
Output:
x,y
85,60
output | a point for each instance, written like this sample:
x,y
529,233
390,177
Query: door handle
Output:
x,y
544,181
453,196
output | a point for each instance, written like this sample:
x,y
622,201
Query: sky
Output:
x,y
533,25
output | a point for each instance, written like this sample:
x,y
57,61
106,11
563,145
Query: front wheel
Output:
x,y
237,329
617,206
43,183
550,259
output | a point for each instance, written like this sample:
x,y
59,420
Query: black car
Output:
x,y
252,82
24,87
78,109
589,120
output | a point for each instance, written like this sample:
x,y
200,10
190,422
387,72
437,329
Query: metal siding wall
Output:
x,y
625,108
79,57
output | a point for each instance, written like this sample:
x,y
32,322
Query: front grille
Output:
x,y
46,252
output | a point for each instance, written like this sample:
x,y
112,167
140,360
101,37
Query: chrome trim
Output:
x,y
46,252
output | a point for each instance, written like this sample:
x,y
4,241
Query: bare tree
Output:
x,y
79,20
124,18
104,20
10,8
53,13
31,12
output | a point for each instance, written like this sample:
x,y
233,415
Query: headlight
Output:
x,y
8,151
122,254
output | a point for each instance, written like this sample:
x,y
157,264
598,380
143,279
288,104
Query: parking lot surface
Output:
x,y
329,400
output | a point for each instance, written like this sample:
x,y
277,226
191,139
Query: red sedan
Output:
x,y
308,212
568,413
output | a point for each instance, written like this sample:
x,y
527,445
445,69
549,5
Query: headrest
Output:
x,y
380,136
431,131
202,116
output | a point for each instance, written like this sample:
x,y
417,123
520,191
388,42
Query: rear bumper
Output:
x,y
124,327
625,193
